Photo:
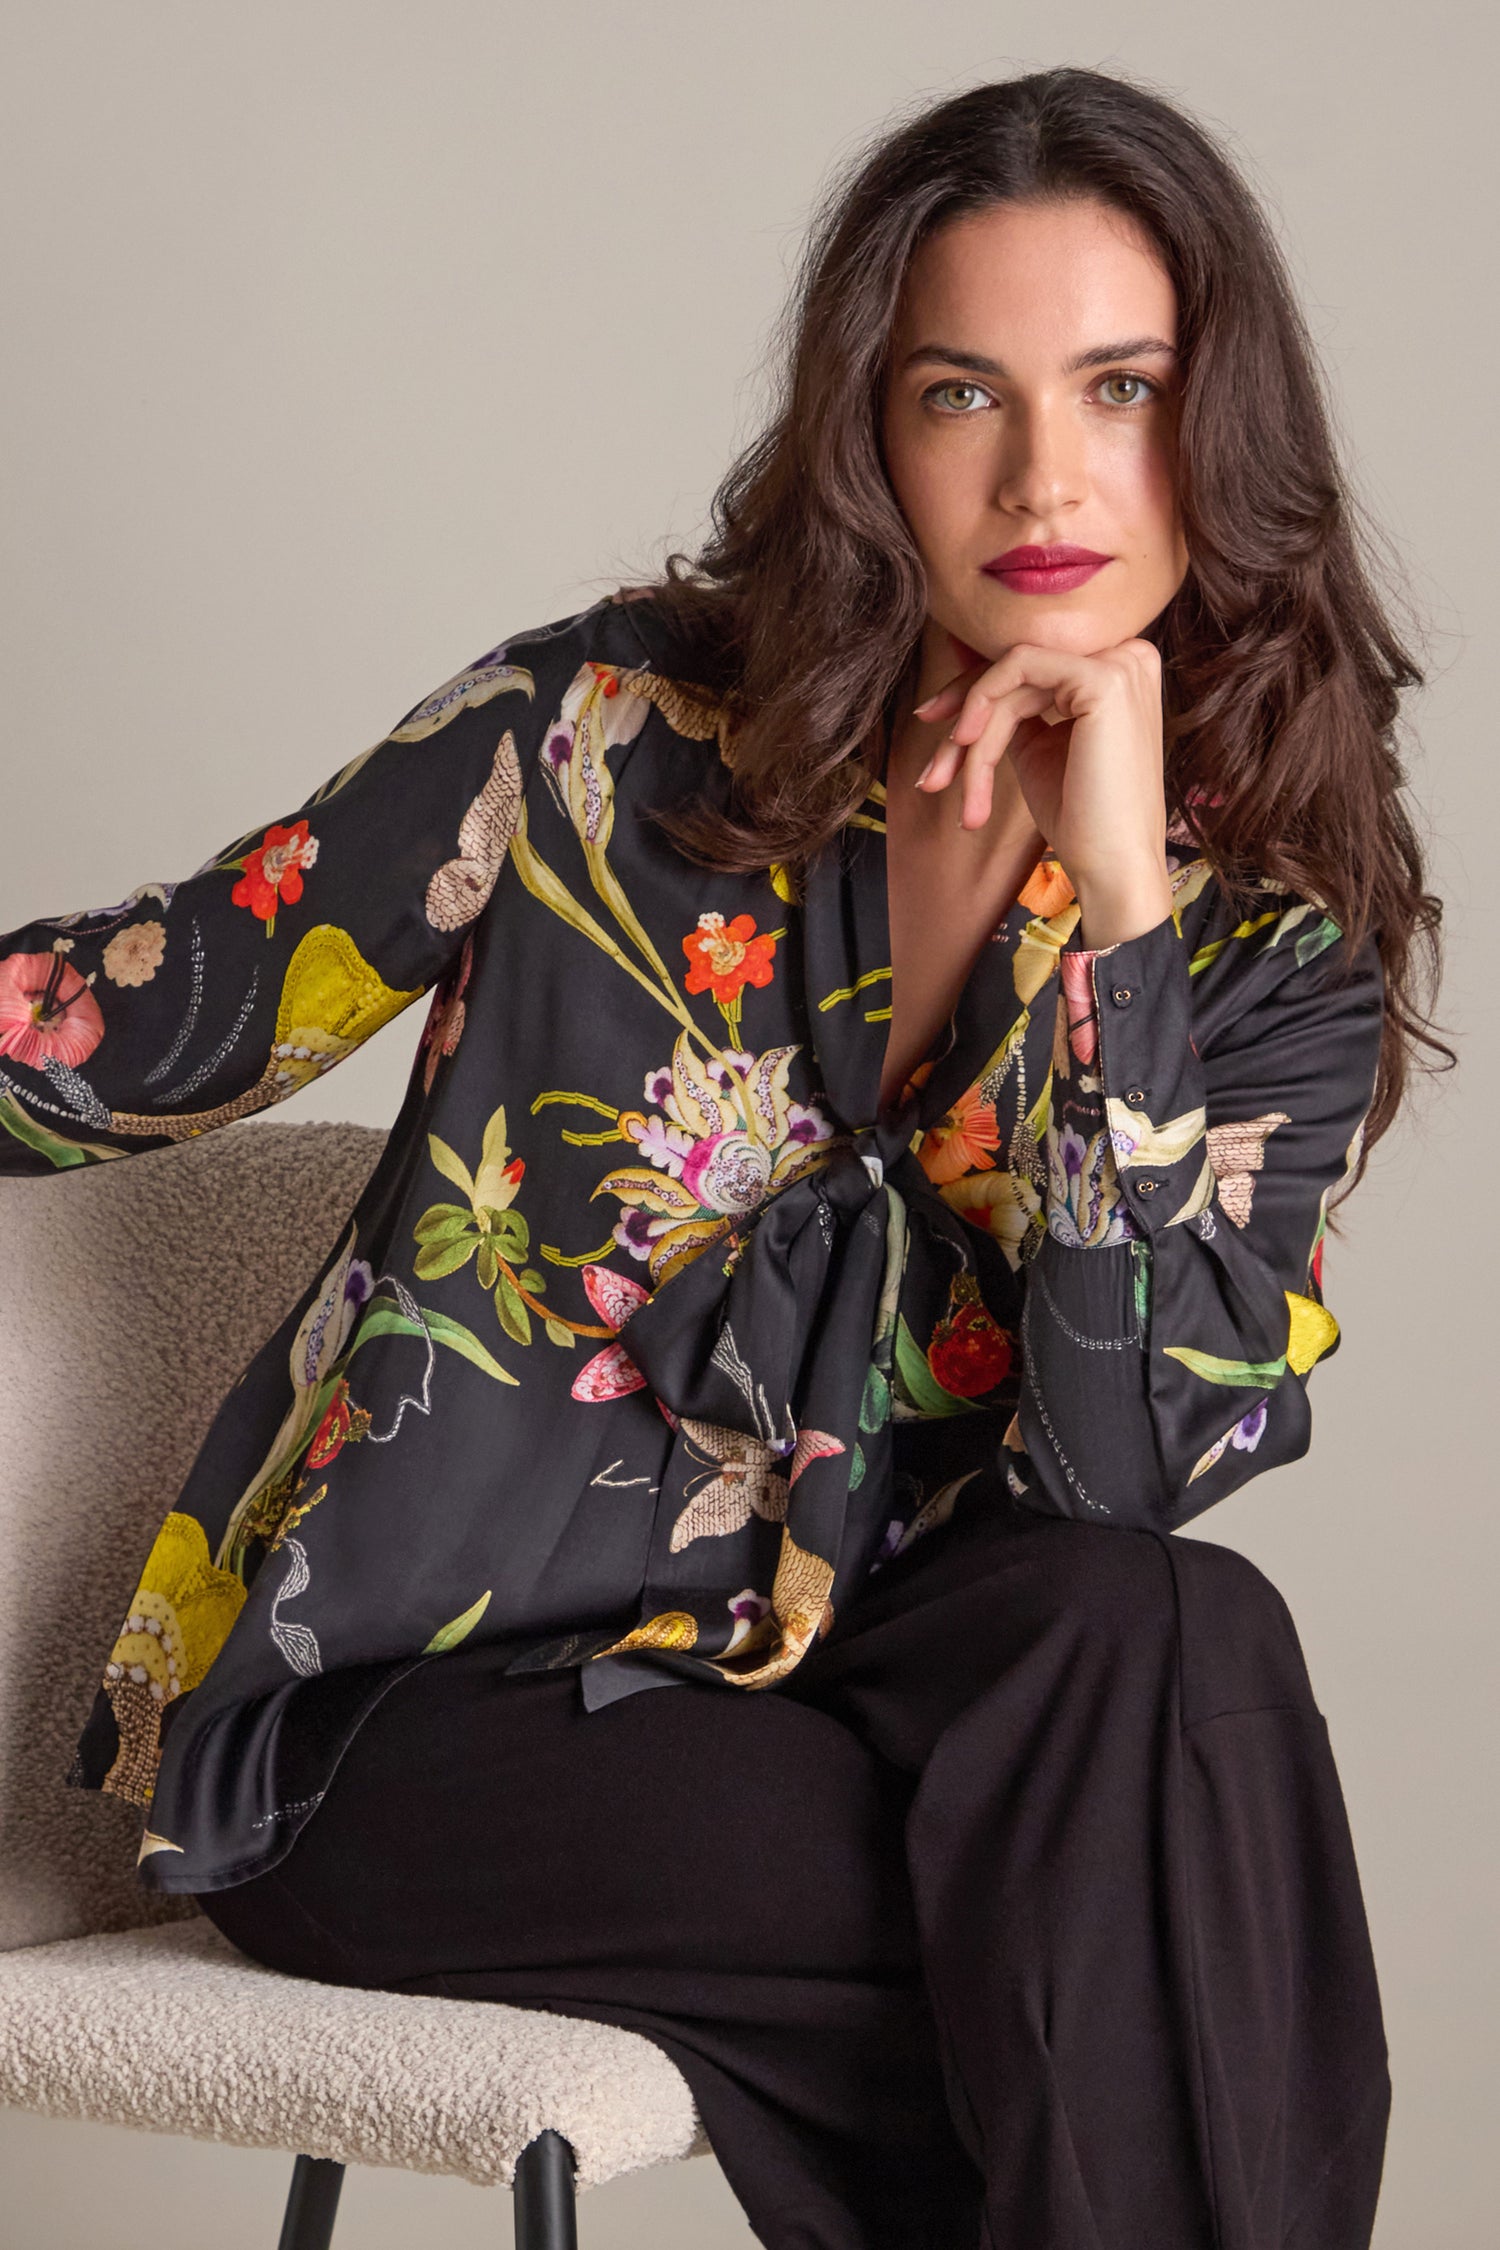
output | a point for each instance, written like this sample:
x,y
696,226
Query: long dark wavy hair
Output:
x,y
1282,672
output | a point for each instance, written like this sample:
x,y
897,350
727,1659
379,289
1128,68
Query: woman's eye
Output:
x,y
973,390
1143,382
961,397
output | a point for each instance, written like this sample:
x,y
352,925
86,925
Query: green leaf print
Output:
x,y
875,1404
514,1318
1315,941
450,1635
386,1320
443,1222
1140,1259
1249,1374
451,1165
435,1259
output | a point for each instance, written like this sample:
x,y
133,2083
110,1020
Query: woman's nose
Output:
x,y
1043,468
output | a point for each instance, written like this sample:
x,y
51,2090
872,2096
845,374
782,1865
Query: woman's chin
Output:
x,y
1044,623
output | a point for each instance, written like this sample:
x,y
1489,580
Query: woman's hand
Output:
x,y
1084,734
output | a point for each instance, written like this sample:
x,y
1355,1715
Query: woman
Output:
x,y
904,997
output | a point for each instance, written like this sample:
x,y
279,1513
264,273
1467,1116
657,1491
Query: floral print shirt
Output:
x,y
650,1339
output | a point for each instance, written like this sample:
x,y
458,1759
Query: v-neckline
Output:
x,y
987,989
846,944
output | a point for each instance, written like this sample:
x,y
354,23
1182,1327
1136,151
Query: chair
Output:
x,y
128,1305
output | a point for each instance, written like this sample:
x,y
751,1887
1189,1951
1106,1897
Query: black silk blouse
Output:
x,y
649,1340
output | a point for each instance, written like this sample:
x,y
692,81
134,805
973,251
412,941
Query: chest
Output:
x,y
947,889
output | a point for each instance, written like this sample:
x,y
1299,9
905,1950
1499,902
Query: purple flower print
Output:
x,y
1248,1433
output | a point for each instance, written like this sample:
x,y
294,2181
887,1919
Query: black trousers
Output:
x,y
1023,1916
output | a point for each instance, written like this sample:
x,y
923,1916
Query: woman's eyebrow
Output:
x,y
1133,347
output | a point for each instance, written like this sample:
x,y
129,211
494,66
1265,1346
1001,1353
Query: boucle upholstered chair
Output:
x,y
131,1295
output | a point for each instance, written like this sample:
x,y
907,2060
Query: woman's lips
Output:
x,y
1030,577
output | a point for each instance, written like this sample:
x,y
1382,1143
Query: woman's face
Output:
x,y
995,437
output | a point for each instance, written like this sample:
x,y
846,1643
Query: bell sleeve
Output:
x,y
1173,1308
193,1003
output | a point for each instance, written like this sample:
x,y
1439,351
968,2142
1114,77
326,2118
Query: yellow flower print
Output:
x,y
179,1620
673,1628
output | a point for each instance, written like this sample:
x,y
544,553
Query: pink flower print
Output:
x,y
807,1125
728,1172
667,1146
1178,831
445,1018
637,1231
134,955
1078,999
47,1010
747,1608
718,1065
611,1373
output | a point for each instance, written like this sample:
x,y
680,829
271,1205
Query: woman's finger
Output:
x,y
949,698
989,746
984,754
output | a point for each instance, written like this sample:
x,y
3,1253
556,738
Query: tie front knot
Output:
x,y
781,1365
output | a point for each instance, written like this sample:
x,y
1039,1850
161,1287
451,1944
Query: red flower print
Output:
x,y
970,1352
726,956
331,1432
273,871
341,1422
47,1010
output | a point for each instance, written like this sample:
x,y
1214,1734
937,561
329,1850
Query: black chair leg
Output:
x,y
546,2210
312,2205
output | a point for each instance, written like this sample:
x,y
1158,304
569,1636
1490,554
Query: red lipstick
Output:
x,y
1045,570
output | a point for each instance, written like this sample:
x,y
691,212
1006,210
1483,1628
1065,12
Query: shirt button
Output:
x,y
1122,995
1148,1187
1135,1094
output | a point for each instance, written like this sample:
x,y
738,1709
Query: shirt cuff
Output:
x,y
1126,1141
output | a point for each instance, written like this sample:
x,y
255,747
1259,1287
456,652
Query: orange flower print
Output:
x,y
960,1140
47,1010
726,956
1046,890
273,871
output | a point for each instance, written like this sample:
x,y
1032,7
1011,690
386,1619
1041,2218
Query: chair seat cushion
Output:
x,y
172,2030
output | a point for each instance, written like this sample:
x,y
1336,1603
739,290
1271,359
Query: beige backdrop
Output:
x,y
342,340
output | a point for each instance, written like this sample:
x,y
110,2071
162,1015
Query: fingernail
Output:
x,y
926,770
925,705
